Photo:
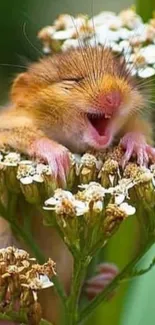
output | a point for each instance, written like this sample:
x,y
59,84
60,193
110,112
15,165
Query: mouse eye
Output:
x,y
69,83
74,79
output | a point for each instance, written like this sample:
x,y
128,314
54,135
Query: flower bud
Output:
x,y
88,169
30,190
114,216
72,177
109,173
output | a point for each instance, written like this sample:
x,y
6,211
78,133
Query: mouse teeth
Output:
x,y
107,116
99,122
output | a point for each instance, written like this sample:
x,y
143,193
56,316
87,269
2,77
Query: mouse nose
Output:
x,y
110,101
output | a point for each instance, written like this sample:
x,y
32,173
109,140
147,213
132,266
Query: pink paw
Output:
x,y
55,155
135,145
106,273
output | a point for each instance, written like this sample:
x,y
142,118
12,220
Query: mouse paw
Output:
x,y
56,155
106,273
135,144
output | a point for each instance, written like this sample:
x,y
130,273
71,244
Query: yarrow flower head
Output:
x,y
88,215
125,32
20,280
95,180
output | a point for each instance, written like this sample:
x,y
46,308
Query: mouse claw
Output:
x,y
56,155
151,152
134,144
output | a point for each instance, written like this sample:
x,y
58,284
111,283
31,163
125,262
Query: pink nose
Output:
x,y
110,101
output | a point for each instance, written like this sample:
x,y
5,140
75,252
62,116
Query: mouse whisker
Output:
x,y
28,40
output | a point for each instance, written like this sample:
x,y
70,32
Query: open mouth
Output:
x,y
99,122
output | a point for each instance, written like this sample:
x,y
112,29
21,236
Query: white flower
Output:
x,y
45,282
46,49
119,199
98,206
26,180
40,282
102,18
128,209
148,52
115,47
138,60
81,207
93,189
146,176
58,196
114,23
70,43
26,162
125,46
64,21
38,178
130,19
41,168
105,35
124,33
146,72
55,203
125,184
11,159
49,30
64,34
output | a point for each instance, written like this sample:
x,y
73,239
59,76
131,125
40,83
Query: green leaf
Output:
x,y
136,273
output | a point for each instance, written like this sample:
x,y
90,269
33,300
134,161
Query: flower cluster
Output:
x,y
100,207
123,33
91,215
36,182
20,280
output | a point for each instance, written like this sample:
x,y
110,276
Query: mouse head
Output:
x,y
82,97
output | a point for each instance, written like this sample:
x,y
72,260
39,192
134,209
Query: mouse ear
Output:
x,y
20,88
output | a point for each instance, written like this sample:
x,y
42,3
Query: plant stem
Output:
x,y
20,318
114,284
80,268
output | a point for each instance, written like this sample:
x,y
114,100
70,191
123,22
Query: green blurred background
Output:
x,y
134,302
14,47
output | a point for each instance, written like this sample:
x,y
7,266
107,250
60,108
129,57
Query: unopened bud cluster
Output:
x,y
20,280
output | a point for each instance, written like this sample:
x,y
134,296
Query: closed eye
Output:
x,y
76,79
69,83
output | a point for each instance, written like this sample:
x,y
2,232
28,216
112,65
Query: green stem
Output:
x,y
20,318
80,267
114,284
12,205
29,240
